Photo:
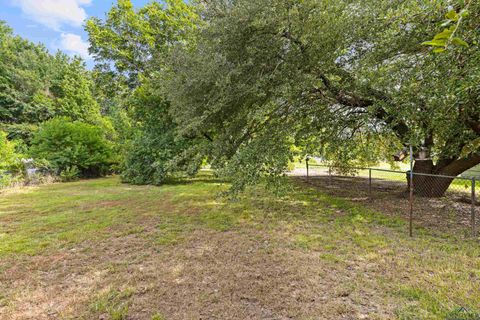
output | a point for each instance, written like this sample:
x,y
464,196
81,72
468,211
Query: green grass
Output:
x,y
114,303
458,185
425,277
62,215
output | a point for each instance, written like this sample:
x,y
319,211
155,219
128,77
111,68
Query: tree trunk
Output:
x,y
448,169
428,186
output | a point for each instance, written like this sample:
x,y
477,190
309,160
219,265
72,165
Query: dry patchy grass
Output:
x,y
99,249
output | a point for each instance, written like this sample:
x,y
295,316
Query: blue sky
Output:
x,y
56,23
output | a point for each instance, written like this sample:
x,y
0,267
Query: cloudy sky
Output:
x,y
56,23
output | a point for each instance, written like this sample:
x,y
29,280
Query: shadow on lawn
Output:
x,y
189,181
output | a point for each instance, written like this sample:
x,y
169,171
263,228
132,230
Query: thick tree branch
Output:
x,y
474,125
354,101
461,165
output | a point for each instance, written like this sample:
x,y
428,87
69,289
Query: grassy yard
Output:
x,y
460,185
99,249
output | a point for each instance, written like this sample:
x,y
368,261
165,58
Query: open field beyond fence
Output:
x,y
387,191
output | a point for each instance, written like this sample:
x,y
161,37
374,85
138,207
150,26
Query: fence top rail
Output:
x,y
394,171
441,176
340,167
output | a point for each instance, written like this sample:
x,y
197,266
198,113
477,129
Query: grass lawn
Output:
x,y
99,249
460,185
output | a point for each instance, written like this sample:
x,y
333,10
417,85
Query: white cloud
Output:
x,y
74,44
54,13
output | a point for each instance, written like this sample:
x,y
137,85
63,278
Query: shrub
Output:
x,y
9,159
153,159
69,174
9,180
19,131
73,148
145,160
10,164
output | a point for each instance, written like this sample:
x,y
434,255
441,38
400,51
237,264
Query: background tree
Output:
x,y
36,86
130,47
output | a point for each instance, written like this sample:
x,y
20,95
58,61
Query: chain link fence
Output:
x,y
426,200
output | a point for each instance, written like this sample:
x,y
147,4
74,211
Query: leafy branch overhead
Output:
x,y
346,81
448,37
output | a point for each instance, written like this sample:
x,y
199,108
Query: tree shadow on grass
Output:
x,y
203,177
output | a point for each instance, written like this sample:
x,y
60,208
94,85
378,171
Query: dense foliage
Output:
x,y
130,48
36,86
9,158
347,80
10,164
73,146
249,85
155,151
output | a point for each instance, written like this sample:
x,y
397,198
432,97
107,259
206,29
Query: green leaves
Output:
x,y
130,47
36,86
443,40
459,42
130,40
345,80
452,16
471,148
8,157
70,144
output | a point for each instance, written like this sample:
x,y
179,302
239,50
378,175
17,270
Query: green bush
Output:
x,y
69,174
155,151
9,159
9,180
10,163
67,144
19,131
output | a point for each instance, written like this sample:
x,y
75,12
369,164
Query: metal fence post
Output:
x,y
306,160
411,193
411,206
370,183
474,231
330,175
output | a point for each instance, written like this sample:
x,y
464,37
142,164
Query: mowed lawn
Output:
x,y
99,249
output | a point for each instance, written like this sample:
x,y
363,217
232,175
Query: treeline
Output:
x,y
247,86
49,117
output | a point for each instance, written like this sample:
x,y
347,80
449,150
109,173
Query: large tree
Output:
x,y
130,46
36,86
335,77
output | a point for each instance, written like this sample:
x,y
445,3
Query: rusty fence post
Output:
x,y
370,184
306,160
410,227
474,231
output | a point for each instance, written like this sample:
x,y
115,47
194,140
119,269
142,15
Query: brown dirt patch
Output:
x,y
212,275
449,214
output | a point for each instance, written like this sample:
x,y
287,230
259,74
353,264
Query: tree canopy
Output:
x,y
130,47
37,89
248,85
36,86
337,78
